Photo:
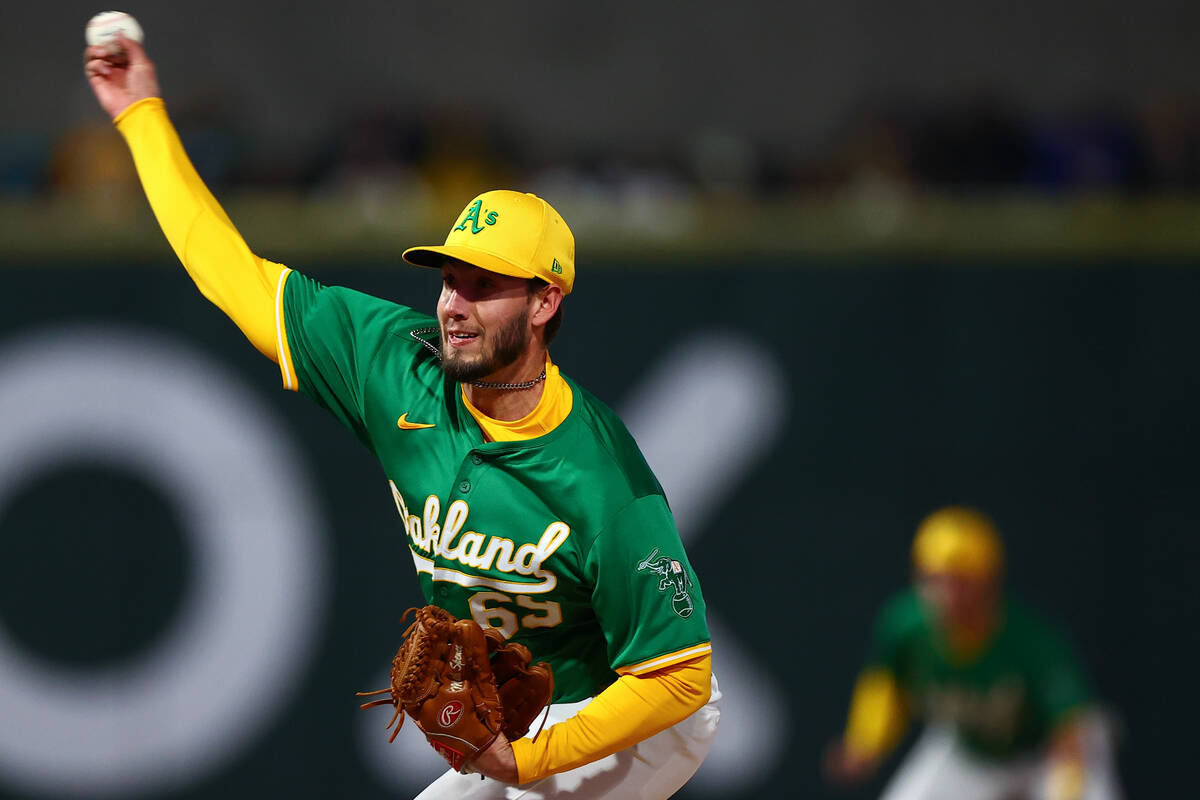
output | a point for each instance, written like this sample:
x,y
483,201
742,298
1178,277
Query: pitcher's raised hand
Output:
x,y
120,78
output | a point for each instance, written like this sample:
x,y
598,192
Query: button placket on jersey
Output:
x,y
467,470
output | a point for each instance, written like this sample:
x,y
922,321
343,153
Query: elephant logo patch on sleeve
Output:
x,y
672,577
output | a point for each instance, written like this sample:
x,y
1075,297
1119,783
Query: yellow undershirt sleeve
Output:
x,y
878,717
237,281
633,708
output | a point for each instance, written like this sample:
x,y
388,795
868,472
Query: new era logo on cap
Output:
x,y
556,267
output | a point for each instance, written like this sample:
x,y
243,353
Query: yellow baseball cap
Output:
x,y
958,540
510,233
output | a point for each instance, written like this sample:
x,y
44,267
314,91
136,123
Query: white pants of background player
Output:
x,y
939,768
652,769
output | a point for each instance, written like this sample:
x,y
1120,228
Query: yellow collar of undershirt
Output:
x,y
553,407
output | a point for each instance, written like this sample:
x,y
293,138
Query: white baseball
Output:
x,y
105,27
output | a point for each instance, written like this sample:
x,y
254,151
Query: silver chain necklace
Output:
x,y
419,332
521,385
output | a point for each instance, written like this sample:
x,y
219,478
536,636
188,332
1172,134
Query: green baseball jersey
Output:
x,y
1001,703
564,542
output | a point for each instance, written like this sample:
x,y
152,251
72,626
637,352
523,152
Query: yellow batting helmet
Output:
x,y
958,540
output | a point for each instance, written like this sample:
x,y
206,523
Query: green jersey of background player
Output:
x,y
1009,712
523,500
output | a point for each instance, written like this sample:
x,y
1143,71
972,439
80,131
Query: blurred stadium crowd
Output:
x,y
374,155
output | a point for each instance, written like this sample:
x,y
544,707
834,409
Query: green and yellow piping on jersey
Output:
x,y
286,368
659,662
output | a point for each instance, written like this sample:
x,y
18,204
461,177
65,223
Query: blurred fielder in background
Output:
x,y
1008,712
525,502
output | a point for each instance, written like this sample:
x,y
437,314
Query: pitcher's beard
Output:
x,y
510,342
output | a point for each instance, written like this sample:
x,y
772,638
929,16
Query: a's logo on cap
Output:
x,y
472,216
556,267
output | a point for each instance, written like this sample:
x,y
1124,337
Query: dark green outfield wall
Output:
x,y
802,417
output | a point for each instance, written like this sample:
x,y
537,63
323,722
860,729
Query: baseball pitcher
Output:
x,y
524,502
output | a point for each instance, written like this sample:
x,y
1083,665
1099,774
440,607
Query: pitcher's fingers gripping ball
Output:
x,y
106,29
442,677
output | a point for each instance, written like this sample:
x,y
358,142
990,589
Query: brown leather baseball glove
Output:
x,y
442,678
460,698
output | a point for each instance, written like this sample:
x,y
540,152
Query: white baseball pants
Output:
x,y
653,769
939,768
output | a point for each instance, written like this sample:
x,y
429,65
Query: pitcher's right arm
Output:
x,y
237,281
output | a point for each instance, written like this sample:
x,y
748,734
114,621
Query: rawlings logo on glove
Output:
x,y
450,714
462,685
